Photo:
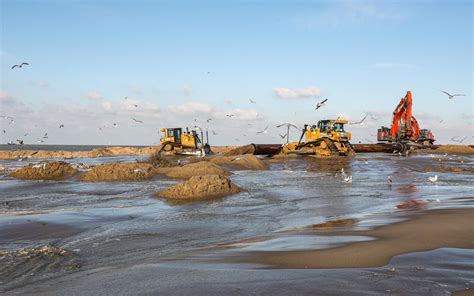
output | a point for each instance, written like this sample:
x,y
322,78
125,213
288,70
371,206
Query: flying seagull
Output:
x,y
229,115
136,120
252,101
209,120
361,122
20,65
61,125
320,104
40,141
264,131
136,106
114,125
45,136
288,125
214,133
450,96
282,136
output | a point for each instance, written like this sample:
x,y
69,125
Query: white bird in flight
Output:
x,y
320,104
450,96
252,101
361,122
264,131
433,179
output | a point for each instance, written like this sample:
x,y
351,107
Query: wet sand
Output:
x,y
123,240
432,230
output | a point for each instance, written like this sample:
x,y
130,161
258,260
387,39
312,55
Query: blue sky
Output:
x,y
185,60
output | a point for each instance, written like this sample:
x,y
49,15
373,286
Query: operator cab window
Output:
x,y
338,127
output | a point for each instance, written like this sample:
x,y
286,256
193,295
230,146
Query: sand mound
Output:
x,y
247,161
200,188
50,170
193,169
119,172
247,149
449,149
157,160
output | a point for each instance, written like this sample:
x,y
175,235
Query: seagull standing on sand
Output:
x,y
20,65
450,96
320,104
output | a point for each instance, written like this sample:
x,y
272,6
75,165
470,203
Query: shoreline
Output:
x,y
423,231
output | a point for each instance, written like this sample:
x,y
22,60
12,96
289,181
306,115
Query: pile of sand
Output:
x,y
119,172
50,170
449,149
156,160
222,149
200,188
247,161
247,149
193,169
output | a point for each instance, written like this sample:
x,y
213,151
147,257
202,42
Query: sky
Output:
x,y
181,63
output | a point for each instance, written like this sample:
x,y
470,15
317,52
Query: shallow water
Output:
x,y
103,221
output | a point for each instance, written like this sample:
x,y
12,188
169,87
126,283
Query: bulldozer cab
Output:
x,y
326,126
172,135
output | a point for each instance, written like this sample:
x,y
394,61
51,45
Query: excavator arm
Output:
x,y
403,115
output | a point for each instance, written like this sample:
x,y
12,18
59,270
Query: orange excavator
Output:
x,y
405,128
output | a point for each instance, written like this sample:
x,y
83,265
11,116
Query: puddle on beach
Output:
x,y
100,222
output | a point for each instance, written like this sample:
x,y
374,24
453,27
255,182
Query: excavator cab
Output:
x,y
426,137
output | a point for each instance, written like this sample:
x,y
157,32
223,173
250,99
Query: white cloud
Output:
x,y
287,93
245,114
191,108
94,96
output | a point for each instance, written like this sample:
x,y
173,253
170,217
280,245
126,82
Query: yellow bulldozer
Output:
x,y
186,142
327,138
